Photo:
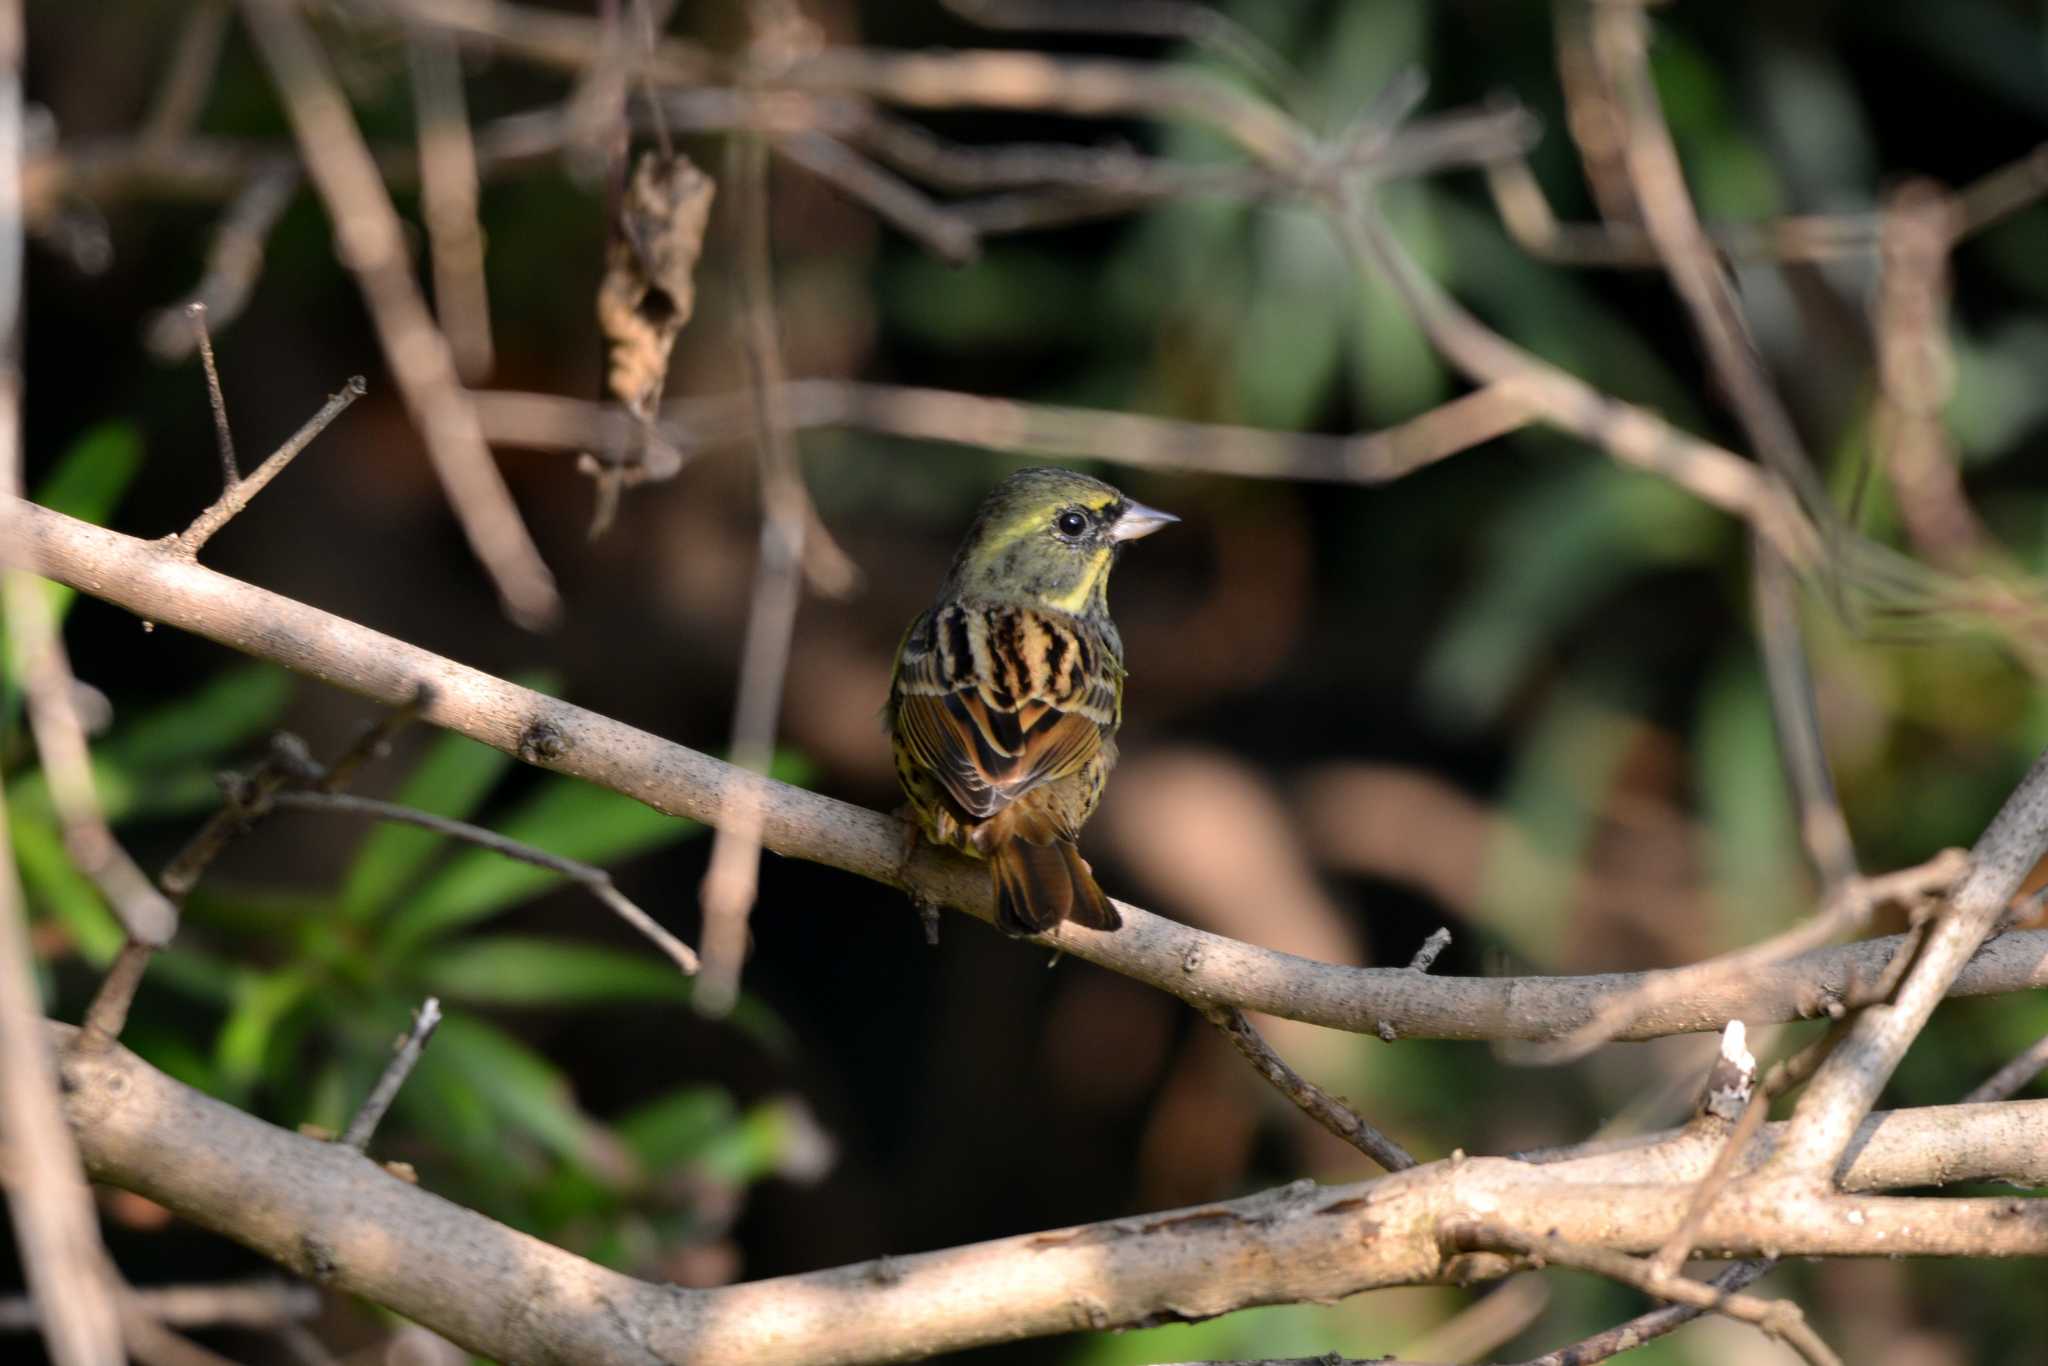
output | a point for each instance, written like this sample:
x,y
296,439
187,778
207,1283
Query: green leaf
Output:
x,y
514,970
743,1153
55,884
523,1091
262,1000
90,477
231,709
452,780
86,483
568,818
520,970
678,1127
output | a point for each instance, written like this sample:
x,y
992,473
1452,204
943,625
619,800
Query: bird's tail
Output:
x,y
1039,885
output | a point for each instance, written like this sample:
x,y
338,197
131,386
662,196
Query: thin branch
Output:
x,y
2010,1079
223,433
404,1058
1782,1319
1201,968
1848,1083
265,1303
1425,956
1672,1255
1656,180
233,262
48,1203
1478,1330
371,243
1042,430
1313,1101
188,81
944,232
1626,1337
593,879
1916,376
1823,828
1209,30
107,1015
1848,910
731,880
240,492
38,658
448,179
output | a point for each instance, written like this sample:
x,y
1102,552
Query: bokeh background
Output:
x,y
1516,694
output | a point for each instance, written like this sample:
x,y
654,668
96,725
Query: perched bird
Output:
x,y
1009,689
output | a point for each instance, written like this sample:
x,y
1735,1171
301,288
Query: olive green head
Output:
x,y
1047,538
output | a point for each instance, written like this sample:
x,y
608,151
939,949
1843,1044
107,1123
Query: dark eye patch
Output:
x,y
1072,522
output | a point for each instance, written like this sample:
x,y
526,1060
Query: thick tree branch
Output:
x,y
1204,969
337,1218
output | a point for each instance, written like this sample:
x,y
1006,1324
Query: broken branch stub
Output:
x,y
649,286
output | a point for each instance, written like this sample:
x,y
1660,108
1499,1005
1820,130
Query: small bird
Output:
x,y
1008,691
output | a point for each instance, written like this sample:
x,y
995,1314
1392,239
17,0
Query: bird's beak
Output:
x,y
1138,520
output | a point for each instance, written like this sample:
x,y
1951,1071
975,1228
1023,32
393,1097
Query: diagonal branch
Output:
x,y
1203,969
371,242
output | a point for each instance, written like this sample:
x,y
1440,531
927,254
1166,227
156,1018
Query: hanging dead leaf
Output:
x,y
649,286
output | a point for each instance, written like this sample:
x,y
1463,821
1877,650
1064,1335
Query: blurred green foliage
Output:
x,y
1527,620
301,992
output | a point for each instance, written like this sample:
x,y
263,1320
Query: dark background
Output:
x,y
1515,693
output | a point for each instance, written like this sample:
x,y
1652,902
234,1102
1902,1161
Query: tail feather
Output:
x,y
1039,885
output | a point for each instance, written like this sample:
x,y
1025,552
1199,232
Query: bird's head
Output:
x,y
1047,538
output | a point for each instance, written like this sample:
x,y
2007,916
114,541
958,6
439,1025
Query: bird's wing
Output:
x,y
1003,701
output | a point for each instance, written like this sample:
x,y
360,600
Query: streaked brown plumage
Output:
x,y
1008,692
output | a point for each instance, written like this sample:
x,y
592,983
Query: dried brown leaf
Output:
x,y
649,286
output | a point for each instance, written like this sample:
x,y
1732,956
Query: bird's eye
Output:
x,y
1070,523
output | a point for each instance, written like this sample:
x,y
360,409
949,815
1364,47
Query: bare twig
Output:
x,y
1823,829
234,261
1212,31
1477,1331
1847,910
1046,431
239,492
1313,1101
38,658
1626,1337
235,1304
1755,1102
1848,1083
943,231
107,1015
47,1198
182,95
448,179
404,1058
1916,375
372,244
730,881
1781,1319
1426,956
593,879
2008,1080
1656,182
48,1203
223,433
